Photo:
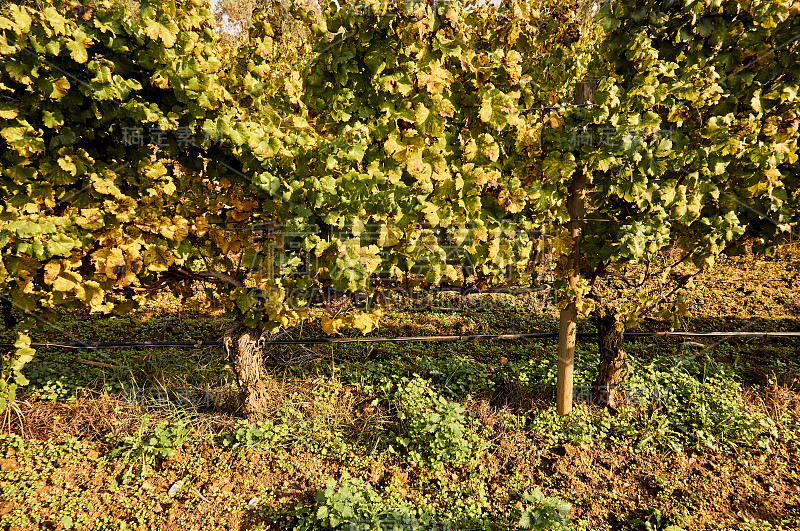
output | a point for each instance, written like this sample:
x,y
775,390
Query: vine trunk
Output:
x,y
613,368
242,344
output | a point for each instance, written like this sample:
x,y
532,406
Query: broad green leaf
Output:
x,y
77,44
156,30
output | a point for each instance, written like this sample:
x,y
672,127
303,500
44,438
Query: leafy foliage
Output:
x,y
544,512
353,505
147,447
12,368
655,520
700,98
433,429
705,410
251,435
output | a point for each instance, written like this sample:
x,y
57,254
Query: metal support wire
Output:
x,y
400,339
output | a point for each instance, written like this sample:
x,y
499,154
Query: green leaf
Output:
x,y
53,118
60,89
559,165
77,46
8,111
60,245
20,16
156,30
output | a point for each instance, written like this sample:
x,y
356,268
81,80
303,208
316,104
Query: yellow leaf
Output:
x,y
169,188
7,111
330,325
23,341
156,171
110,262
106,186
51,271
60,88
369,257
773,176
245,205
66,281
389,235
485,113
90,293
367,322
90,218
158,258
181,227
584,306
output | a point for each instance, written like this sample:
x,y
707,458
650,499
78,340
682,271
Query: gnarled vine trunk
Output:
x,y
243,348
613,368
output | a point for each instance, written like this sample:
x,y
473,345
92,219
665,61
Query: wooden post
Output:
x,y
568,321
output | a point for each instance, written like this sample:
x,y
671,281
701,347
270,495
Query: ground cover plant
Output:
x,y
389,146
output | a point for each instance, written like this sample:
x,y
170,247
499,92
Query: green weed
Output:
x,y
655,520
356,505
434,430
699,406
253,435
146,447
544,513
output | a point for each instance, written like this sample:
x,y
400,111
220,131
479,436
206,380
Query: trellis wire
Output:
x,y
399,339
